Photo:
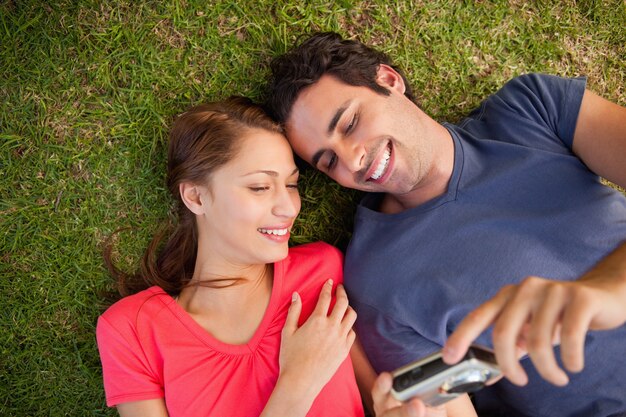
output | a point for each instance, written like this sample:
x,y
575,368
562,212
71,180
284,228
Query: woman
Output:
x,y
229,321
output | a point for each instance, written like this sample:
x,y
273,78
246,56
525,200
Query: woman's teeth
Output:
x,y
277,232
382,165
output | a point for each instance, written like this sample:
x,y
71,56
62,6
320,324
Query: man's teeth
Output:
x,y
277,232
382,165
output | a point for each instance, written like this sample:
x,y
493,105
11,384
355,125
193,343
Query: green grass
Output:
x,y
88,89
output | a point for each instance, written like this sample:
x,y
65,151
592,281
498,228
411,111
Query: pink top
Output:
x,y
150,347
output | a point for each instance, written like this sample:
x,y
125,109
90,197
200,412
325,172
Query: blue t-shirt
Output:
x,y
519,203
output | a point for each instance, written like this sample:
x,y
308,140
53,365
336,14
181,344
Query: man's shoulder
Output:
x,y
537,81
532,88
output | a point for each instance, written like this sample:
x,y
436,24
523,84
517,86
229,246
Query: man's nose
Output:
x,y
352,154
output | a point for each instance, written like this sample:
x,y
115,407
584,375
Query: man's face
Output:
x,y
360,138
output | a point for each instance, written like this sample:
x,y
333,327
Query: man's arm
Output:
x,y
539,312
600,137
364,373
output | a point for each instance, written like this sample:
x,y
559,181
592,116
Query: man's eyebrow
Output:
x,y
333,122
331,127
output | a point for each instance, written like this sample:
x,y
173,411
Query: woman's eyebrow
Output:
x,y
268,172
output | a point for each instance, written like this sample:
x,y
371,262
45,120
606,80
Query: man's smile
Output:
x,y
380,166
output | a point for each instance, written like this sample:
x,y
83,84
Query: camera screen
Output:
x,y
481,355
418,373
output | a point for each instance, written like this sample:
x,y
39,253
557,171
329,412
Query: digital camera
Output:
x,y
435,382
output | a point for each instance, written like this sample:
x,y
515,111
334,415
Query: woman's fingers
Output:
x,y
341,304
291,323
348,319
323,302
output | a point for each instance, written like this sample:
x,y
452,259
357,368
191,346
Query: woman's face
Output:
x,y
251,202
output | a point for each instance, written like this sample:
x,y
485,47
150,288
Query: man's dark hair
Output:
x,y
324,53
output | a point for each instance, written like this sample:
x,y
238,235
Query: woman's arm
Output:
x,y
145,408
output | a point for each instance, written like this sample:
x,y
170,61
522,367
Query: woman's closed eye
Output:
x,y
259,189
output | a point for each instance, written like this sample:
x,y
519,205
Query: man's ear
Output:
x,y
389,78
191,195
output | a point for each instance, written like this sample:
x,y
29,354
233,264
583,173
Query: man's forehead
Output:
x,y
304,128
320,102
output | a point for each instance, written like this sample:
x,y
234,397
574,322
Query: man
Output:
x,y
457,214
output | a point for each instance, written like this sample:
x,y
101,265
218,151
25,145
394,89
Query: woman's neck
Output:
x,y
229,307
222,285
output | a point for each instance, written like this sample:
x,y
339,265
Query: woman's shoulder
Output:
x,y
131,306
314,259
316,249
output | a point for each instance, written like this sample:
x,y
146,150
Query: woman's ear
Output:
x,y
389,78
191,195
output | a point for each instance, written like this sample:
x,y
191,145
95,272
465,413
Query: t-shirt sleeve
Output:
x,y
126,371
547,100
533,110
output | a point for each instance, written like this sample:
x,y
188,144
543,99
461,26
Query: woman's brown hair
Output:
x,y
203,139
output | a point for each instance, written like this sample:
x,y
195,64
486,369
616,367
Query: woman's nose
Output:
x,y
287,203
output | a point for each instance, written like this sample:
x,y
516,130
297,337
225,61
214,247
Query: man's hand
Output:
x,y
539,312
387,406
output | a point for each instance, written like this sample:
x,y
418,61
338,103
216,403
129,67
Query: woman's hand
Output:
x,y
311,354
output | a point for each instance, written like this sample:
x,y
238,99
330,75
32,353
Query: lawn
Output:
x,y
89,88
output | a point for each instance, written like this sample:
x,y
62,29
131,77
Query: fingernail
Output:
x,y
330,281
294,297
